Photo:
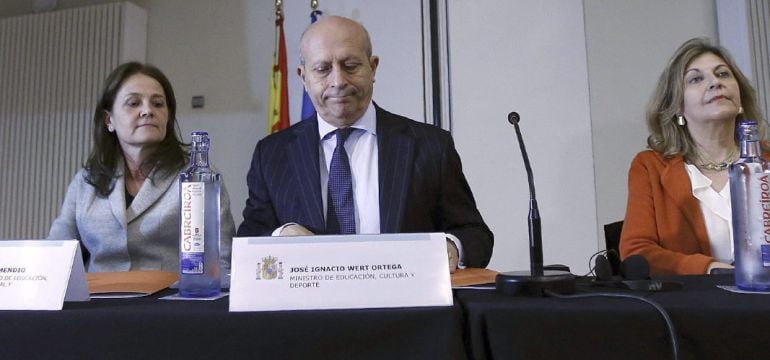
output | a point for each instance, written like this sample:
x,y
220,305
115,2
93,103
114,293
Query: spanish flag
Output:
x,y
278,106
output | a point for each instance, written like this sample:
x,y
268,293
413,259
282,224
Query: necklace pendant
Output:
x,y
716,167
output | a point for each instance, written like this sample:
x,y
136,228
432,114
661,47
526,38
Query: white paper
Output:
x,y
178,297
35,274
77,286
339,272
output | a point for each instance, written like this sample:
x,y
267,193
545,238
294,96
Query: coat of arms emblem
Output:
x,y
270,268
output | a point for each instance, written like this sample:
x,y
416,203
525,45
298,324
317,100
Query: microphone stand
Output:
x,y
537,280
533,218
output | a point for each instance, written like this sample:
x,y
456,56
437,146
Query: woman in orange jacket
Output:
x,y
678,215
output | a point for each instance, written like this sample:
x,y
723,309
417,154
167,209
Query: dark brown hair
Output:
x,y
169,156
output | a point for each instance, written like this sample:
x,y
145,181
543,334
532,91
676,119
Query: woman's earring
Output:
x,y
740,110
680,120
110,128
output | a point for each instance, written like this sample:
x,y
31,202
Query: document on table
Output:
x,y
127,284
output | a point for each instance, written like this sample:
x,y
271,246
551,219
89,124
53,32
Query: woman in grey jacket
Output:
x,y
123,204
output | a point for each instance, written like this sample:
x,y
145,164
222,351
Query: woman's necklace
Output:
x,y
717,166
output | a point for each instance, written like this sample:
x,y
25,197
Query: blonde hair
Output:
x,y
670,139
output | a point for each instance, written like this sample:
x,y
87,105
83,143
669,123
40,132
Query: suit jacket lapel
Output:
x,y
678,187
305,161
117,198
395,147
150,192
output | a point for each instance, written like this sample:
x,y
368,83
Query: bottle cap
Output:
x,y
200,136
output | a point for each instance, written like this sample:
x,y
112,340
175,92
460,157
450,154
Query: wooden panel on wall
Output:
x,y
52,66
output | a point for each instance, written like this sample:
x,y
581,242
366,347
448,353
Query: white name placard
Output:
x,y
339,272
35,274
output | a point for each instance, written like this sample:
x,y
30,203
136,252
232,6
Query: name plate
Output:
x,y
339,272
40,274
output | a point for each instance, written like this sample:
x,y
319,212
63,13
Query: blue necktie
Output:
x,y
340,216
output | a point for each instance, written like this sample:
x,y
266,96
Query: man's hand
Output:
x,y
453,254
295,230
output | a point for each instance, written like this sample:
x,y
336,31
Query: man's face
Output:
x,y
337,72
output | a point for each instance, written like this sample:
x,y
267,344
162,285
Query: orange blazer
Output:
x,y
663,220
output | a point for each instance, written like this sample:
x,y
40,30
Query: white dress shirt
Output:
x,y
717,214
361,147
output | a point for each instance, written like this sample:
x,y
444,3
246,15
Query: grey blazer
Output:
x,y
144,236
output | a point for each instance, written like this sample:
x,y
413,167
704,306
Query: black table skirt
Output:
x,y
711,323
147,328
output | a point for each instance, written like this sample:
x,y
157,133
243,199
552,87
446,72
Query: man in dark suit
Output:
x,y
406,175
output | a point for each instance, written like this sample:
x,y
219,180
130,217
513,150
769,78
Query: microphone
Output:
x,y
634,275
533,219
513,118
537,280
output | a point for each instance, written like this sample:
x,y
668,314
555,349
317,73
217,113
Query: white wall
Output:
x,y
527,56
580,75
222,53
628,44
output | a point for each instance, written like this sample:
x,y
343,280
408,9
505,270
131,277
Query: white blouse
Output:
x,y
717,214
